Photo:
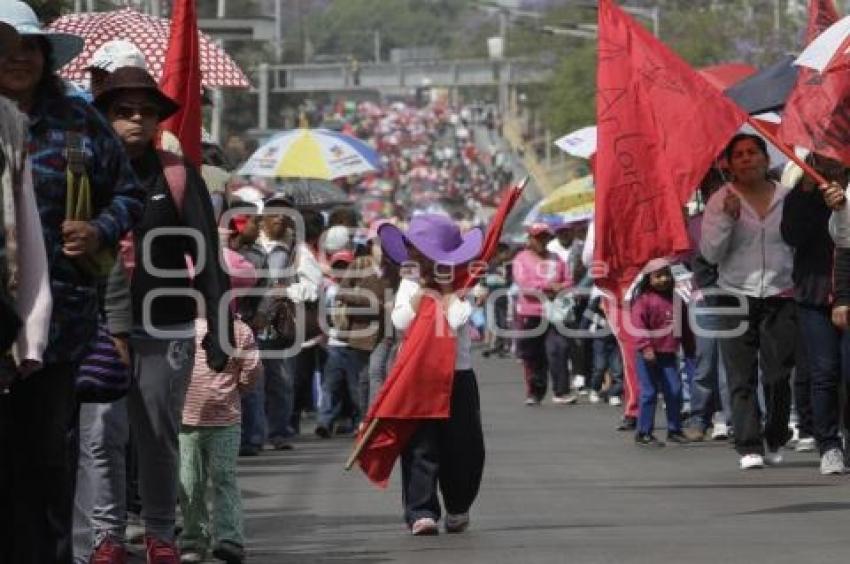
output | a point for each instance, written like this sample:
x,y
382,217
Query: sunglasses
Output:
x,y
129,111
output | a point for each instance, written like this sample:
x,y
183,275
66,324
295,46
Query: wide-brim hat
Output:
x,y
127,79
22,18
435,236
8,38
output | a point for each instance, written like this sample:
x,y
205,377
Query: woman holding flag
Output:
x,y
449,451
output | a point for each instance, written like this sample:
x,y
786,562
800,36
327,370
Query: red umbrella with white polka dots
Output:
x,y
150,35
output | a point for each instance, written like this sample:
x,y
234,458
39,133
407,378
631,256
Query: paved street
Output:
x,y
560,485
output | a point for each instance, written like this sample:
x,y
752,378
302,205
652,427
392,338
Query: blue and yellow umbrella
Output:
x,y
312,153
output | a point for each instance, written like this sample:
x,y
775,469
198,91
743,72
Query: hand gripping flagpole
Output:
x,y
479,268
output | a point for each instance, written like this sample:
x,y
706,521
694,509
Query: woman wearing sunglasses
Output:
x,y
162,289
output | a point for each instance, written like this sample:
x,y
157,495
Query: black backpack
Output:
x,y
10,322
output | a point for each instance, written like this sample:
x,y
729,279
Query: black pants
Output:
x,y
38,457
450,452
769,341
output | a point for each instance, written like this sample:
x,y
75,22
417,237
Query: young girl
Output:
x,y
445,452
209,445
653,320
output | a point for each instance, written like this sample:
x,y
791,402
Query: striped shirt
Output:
x,y
213,399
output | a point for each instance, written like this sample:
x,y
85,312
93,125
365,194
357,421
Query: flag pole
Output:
x,y
373,424
361,444
787,151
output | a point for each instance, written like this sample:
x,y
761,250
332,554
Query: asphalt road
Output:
x,y
560,485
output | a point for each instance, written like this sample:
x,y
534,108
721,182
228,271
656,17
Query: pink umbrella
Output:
x,y
150,35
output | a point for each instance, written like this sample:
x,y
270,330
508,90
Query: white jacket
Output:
x,y
458,313
839,225
751,257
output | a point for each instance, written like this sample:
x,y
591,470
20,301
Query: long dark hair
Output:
x,y
50,86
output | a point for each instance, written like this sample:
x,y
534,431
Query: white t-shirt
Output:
x,y
457,315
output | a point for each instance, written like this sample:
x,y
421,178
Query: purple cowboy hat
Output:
x,y
435,236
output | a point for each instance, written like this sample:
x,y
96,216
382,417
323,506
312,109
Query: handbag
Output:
x,y
285,320
102,377
78,206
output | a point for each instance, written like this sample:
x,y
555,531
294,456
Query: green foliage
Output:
x,y
567,101
703,32
346,27
49,10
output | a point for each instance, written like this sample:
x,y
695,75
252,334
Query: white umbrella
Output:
x,y
580,143
830,50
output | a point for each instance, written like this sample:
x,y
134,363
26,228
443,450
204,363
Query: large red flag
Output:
x,y
660,126
181,79
419,385
817,114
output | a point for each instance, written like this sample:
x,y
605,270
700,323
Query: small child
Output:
x,y
209,445
657,346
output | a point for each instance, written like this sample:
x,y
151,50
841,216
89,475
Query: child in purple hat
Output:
x,y
445,452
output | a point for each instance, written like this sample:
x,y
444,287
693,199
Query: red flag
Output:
x,y
181,79
661,125
419,385
817,114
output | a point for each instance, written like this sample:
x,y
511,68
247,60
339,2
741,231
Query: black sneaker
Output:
x,y
323,432
627,424
230,552
678,438
647,440
249,450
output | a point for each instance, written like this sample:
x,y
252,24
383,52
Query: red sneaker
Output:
x,y
161,552
109,552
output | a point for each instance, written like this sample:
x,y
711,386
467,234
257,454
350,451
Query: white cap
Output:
x,y
115,54
337,238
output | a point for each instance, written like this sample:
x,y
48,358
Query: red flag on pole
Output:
x,y
419,385
661,125
181,79
817,114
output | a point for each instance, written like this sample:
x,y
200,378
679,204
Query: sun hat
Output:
x,y
435,236
8,38
21,17
115,54
135,79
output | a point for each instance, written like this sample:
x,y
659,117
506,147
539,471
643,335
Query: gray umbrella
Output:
x,y
311,193
767,90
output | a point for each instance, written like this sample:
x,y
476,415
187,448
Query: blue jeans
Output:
x,y
709,391
827,351
254,415
279,397
341,375
606,356
663,375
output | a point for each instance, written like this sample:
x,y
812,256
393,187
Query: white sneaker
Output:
x,y
615,401
720,431
532,401
424,526
806,444
564,400
752,461
773,458
832,462
579,382
593,397
457,523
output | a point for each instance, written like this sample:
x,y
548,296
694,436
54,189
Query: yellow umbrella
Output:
x,y
573,194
